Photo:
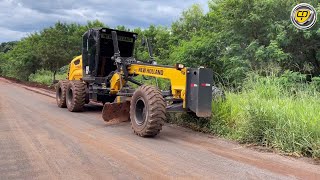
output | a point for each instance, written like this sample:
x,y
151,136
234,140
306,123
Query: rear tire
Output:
x,y
61,89
76,96
147,111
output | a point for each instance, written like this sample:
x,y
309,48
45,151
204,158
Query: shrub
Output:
x,y
277,112
46,77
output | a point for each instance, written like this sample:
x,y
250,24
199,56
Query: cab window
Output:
x,y
77,62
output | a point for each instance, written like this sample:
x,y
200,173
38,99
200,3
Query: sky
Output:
x,y
22,17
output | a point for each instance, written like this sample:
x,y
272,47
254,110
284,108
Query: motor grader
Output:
x,y
106,72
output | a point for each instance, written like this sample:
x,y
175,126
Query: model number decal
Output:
x,y
151,71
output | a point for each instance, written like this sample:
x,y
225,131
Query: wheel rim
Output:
x,y
140,112
69,97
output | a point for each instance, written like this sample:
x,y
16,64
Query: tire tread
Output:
x,y
79,96
157,110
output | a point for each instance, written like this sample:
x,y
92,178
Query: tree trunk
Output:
x,y
316,62
54,76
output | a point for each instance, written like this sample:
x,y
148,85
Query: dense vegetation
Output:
x,y
269,69
281,112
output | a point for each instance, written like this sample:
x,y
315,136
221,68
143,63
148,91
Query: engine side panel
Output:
x,y
75,69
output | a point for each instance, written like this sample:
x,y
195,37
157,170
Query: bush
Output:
x,y
46,77
277,112
282,113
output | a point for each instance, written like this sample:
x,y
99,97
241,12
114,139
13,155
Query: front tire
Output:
x,y
76,96
61,90
147,111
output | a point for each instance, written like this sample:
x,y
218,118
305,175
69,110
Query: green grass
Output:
x,y
282,113
45,77
274,112
163,84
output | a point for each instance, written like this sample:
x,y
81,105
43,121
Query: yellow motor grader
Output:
x,y
102,74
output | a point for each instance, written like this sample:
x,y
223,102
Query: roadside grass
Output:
x,y
282,113
46,77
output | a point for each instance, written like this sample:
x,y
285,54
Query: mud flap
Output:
x,y
116,111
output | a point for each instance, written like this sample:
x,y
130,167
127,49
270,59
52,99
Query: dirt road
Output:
x,y
38,140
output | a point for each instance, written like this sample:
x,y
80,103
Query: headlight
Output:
x,y
179,66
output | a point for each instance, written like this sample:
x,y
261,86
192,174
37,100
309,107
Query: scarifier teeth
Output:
x,y
116,111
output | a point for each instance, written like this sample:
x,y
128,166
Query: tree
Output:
x,y
61,43
23,59
189,24
265,34
233,38
7,46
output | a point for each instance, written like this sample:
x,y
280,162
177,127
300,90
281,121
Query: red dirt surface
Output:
x,y
38,140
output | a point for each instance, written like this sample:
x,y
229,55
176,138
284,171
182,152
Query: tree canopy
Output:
x,y
233,38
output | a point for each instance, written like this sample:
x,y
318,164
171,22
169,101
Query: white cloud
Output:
x,y
20,17
9,35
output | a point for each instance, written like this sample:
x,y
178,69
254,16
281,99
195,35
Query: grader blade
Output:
x,y
118,112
